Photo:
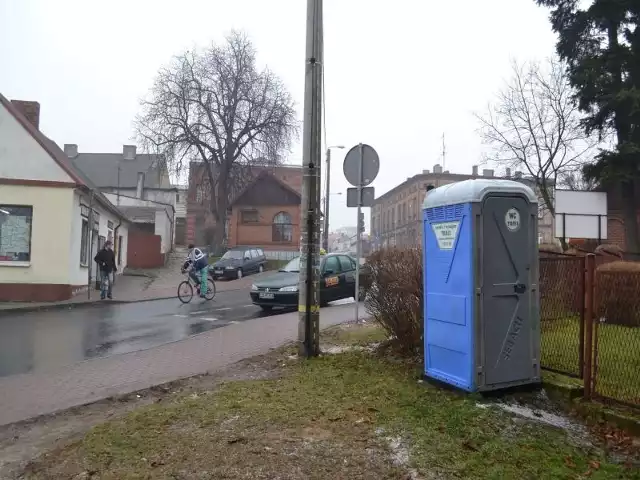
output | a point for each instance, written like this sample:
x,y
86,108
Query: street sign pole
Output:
x,y
361,167
359,237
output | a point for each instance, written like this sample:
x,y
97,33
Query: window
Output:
x,y
249,216
282,228
177,198
260,252
346,264
332,264
541,210
255,254
84,242
15,233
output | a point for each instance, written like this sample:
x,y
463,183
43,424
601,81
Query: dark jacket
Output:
x,y
106,260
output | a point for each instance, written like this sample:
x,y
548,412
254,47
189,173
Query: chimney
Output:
x,y
437,168
487,173
426,172
474,170
140,185
518,175
30,110
71,150
129,152
508,173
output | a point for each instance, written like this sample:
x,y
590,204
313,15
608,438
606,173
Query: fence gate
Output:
x,y
562,313
616,337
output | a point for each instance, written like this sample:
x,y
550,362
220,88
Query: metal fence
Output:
x,y
590,323
562,309
281,254
616,346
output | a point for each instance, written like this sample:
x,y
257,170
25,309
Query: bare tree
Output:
x,y
216,107
534,126
577,181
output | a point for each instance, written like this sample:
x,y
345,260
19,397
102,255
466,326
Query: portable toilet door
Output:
x,y
508,282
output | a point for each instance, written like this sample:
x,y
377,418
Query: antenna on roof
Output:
x,y
444,153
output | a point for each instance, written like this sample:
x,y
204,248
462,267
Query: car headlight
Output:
x,y
292,288
253,287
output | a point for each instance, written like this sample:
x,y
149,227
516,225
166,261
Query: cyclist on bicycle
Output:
x,y
198,266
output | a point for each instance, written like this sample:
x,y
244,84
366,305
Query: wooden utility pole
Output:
x,y
309,286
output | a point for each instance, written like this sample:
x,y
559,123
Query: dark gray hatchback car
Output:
x,y
238,262
280,290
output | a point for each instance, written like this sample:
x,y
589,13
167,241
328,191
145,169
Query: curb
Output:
x,y
90,304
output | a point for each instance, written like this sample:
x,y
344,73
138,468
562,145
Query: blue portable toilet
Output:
x,y
481,298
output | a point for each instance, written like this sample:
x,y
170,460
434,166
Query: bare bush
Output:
x,y
395,296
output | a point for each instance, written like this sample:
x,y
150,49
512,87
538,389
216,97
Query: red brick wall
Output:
x,y
261,234
290,175
615,229
143,250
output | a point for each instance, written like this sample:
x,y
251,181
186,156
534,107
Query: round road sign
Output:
x,y
370,165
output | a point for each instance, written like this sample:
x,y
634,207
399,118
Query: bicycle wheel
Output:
x,y
211,289
185,292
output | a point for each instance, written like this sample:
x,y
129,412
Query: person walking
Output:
x,y
106,260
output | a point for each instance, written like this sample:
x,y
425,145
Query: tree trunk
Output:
x,y
219,206
549,204
630,215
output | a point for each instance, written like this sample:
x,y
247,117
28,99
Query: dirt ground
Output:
x,y
24,441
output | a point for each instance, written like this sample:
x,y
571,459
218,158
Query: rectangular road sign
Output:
x,y
368,196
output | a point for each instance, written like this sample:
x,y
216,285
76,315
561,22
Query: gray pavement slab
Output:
x,y
49,390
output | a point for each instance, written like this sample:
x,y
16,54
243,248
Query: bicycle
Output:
x,y
185,289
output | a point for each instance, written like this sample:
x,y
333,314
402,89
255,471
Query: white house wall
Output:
x,y
163,227
22,157
50,234
79,273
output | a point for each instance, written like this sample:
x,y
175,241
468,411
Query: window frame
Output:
x,y
348,261
244,221
20,263
284,230
335,272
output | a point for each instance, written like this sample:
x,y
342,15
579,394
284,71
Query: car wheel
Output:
x,y
239,274
261,269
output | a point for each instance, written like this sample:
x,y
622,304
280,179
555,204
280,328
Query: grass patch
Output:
x,y
357,335
618,359
332,417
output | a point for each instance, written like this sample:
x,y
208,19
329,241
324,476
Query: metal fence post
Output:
x,y
589,294
583,299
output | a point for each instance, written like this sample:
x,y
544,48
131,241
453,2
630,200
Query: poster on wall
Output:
x,y
15,235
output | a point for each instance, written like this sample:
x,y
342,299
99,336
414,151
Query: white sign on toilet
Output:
x,y
446,233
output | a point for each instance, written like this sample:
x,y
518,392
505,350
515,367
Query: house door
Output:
x,y
506,293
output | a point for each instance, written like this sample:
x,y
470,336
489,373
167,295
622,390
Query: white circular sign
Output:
x,y
512,220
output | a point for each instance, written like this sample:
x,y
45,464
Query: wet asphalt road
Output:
x,y
35,341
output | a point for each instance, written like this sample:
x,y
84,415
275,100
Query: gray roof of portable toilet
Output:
x,y
474,191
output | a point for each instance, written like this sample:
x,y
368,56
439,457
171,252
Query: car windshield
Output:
x,y
293,266
232,255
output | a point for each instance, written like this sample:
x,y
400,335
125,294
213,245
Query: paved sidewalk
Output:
x,y
29,395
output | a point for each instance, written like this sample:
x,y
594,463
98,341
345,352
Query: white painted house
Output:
x,y
47,206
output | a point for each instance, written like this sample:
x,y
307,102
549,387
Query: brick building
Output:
x,y
271,198
396,216
615,218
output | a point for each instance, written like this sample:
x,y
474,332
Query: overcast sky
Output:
x,y
398,74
